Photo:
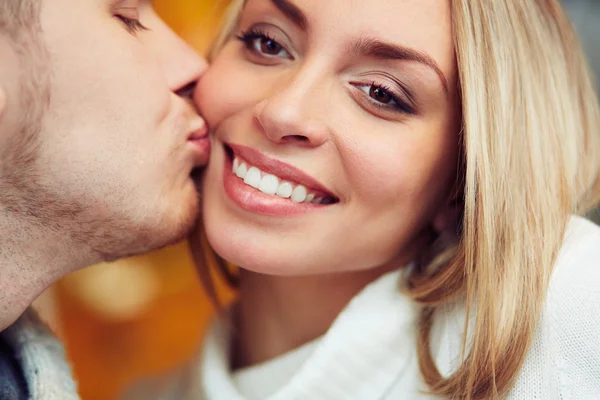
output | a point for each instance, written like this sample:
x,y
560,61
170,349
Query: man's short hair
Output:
x,y
20,22
18,16
20,25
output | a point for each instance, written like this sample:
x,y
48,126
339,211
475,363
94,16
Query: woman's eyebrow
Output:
x,y
292,12
375,48
367,47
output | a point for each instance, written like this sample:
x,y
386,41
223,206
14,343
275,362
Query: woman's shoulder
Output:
x,y
573,298
565,353
581,232
576,274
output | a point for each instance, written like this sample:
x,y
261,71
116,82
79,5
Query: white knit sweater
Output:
x,y
42,359
369,351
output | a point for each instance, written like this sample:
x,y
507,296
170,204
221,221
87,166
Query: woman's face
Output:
x,y
335,133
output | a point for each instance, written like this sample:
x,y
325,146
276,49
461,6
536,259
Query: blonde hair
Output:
x,y
531,159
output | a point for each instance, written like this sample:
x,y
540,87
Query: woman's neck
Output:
x,y
277,314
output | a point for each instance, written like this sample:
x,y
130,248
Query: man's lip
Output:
x,y
278,168
199,133
201,148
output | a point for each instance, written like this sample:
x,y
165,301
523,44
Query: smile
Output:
x,y
261,184
275,186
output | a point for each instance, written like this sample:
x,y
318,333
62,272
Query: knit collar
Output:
x,y
375,329
42,358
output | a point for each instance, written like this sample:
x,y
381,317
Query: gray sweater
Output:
x,y
33,364
12,381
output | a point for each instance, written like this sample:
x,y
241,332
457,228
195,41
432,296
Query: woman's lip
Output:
x,y
255,201
278,168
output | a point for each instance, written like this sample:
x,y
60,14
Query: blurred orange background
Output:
x,y
145,315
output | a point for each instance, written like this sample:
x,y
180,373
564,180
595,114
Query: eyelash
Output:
x,y
247,37
254,33
400,105
132,25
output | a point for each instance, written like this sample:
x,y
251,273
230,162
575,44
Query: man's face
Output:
x,y
108,154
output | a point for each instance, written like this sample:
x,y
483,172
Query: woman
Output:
x,y
397,181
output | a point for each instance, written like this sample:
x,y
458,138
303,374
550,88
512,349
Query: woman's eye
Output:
x,y
133,25
262,44
384,97
267,46
381,95
378,93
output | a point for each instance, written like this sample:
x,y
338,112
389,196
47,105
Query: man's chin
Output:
x,y
172,228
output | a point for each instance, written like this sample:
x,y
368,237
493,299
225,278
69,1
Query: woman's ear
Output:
x,y
445,237
447,217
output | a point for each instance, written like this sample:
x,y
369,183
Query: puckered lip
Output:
x,y
200,133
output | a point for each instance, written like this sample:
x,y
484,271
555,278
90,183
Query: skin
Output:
x,y
95,161
391,164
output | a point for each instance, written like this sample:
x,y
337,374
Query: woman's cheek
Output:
x,y
378,173
226,87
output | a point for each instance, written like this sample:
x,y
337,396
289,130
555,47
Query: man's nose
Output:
x,y
182,65
183,71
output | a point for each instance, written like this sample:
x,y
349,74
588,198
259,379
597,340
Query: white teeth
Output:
x,y
241,171
269,184
253,177
299,194
285,190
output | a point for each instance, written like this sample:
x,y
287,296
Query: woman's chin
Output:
x,y
253,256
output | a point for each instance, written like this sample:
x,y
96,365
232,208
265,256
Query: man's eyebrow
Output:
x,y
375,48
291,11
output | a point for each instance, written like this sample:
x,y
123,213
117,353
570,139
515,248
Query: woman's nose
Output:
x,y
293,115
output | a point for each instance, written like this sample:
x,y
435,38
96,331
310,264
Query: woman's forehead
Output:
x,y
422,25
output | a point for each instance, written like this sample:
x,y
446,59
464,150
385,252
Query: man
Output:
x,y
98,140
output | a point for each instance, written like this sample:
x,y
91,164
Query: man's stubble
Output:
x,y
27,192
